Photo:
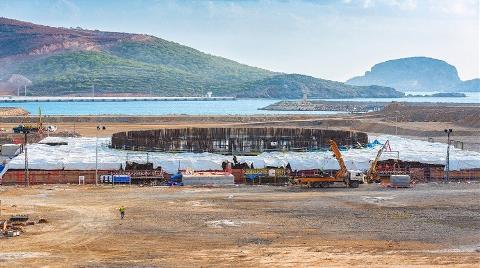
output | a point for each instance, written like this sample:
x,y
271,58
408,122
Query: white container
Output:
x,y
208,179
400,180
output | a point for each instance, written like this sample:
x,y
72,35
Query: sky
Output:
x,y
330,39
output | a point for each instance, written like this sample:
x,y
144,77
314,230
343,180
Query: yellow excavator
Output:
x,y
351,178
372,174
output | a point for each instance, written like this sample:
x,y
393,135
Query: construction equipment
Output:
x,y
30,128
351,178
372,174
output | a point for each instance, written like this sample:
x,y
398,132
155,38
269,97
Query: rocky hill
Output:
x,y
414,74
70,61
469,85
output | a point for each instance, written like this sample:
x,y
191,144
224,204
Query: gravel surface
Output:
x,y
428,225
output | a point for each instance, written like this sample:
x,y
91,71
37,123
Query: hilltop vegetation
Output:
x,y
62,61
415,74
292,86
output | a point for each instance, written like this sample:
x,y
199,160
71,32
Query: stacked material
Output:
x,y
79,154
208,178
13,111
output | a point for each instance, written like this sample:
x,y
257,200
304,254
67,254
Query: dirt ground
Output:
x,y
244,226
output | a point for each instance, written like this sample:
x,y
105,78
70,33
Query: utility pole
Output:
x,y
25,88
96,156
396,123
447,164
96,152
26,172
93,90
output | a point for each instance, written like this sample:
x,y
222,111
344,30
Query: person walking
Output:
x,y
122,212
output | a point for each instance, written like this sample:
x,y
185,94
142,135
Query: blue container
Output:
x,y
177,177
1,167
122,179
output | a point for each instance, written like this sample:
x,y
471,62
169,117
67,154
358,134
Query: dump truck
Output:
x,y
351,178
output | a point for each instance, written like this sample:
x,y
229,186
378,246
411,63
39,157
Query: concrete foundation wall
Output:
x,y
236,140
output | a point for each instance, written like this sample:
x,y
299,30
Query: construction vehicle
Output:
x,y
29,128
351,178
372,174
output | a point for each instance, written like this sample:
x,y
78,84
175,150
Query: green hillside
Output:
x,y
62,61
76,72
159,51
292,86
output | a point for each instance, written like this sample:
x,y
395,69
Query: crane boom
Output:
x,y
338,155
372,171
342,175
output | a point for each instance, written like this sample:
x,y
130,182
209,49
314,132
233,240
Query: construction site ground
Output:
x,y
418,121
244,226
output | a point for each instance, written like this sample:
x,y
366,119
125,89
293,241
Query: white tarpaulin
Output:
x,y
79,154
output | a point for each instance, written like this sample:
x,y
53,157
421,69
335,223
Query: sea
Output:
x,y
223,107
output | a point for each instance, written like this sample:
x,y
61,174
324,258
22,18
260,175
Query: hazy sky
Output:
x,y
326,39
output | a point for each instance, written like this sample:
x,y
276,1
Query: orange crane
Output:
x,y
372,174
351,178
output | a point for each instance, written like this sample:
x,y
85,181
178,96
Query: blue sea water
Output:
x,y
226,107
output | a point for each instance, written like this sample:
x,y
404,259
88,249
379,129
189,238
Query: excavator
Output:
x,y
351,178
372,174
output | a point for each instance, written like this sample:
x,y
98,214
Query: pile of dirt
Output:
x,y
13,111
463,115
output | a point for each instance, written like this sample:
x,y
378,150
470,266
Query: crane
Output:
x,y
336,153
349,177
33,128
372,174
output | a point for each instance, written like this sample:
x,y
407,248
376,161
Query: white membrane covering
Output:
x,y
79,154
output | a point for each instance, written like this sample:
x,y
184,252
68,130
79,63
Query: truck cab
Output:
x,y
355,177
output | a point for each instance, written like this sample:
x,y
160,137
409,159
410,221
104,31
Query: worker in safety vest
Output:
x,y
122,212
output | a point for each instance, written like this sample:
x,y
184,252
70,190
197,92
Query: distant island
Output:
x,y
442,94
416,74
50,61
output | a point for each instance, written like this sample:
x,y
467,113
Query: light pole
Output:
x,y
396,123
96,152
26,173
447,163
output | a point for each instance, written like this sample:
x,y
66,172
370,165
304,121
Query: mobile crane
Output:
x,y
38,127
351,178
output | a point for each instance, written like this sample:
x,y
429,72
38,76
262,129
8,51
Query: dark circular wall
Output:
x,y
234,140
